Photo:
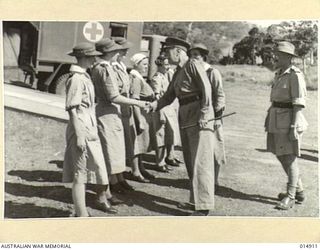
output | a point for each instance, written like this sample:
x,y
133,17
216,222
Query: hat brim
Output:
x,y
204,51
128,45
286,52
94,53
113,48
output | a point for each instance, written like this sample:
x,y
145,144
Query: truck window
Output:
x,y
118,29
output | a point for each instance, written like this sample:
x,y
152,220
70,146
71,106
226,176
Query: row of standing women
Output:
x,y
103,138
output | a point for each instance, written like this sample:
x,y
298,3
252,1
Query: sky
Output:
x,y
265,23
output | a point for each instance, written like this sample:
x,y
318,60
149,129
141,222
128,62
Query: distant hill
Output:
x,y
219,37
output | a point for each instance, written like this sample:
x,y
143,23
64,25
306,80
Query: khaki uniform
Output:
x,y
110,126
87,166
126,111
288,87
198,149
141,90
218,101
165,134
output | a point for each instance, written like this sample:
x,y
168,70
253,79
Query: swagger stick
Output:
x,y
216,118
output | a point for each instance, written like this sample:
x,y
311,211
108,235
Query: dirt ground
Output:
x,y
250,181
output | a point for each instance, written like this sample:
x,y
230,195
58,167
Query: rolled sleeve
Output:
x,y
74,92
298,89
110,83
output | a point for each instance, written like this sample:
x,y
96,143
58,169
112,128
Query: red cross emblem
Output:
x,y
93,31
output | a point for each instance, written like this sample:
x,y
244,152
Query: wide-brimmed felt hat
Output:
x,y
286,47
176,42
124,43
199,46
137,58
84,49
107,45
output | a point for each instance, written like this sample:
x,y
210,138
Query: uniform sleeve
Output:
x,y
218,95
156,85
109,82
74,92
135,87
298,89
200,76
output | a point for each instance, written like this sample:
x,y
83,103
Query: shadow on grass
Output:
x,y
58,163
154,203
230,193
176,183
57,193
309,157
313,151
261,150
28,210
37,175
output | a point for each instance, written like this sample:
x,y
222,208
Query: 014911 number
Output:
x,y
309,246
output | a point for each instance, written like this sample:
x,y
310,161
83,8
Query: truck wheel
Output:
x,y
60,84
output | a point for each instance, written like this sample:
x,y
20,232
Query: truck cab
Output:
x,y
35,53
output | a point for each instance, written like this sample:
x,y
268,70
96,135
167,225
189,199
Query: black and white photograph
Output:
x,y
160,118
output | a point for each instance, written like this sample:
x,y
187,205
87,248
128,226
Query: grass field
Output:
x,y
251,179
262,76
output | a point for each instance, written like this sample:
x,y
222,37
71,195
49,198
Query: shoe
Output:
x,y
147,175
200,213
105,207
163,169
286,203
177,160
117,188
172,162
168,168
186,206
126,185
114,201
139,179
299,197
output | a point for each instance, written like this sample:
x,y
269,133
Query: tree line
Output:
x,y
239,42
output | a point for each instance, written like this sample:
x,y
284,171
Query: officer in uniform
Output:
x,y
190,84
285,122
199,52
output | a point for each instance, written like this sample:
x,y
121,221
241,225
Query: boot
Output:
x,y
299,196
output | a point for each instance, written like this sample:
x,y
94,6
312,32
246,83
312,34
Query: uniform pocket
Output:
x,y
283,118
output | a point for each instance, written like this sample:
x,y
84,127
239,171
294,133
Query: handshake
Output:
x,y
148,106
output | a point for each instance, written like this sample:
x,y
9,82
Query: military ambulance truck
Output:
x,y
35,53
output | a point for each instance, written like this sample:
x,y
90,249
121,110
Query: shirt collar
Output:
x,y
104,62
206,66
284,72
77,69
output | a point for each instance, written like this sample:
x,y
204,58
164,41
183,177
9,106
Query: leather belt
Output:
x,y
147,98
189,99
283,105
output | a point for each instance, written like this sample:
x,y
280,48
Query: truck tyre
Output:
x,y
60,84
